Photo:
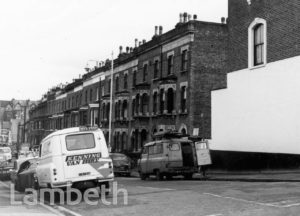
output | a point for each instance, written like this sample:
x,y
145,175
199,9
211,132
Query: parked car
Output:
x,y
171,155
26,175
122,164
5,154
16,167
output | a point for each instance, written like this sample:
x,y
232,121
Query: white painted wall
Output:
x,y
260,110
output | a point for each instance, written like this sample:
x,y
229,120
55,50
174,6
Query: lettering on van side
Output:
x,y
83,159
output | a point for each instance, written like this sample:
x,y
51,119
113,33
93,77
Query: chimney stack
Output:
x,y
120,48
223,20
136,42
144,41
127,49
195,16
160,30
184,17
131,49
156,29
189,17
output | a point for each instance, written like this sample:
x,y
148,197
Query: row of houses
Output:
x,y
198,78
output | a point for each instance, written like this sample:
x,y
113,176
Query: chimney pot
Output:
x,y
156,29
189,17
195,17
223,20
127,49
121,48
131,49
184,17
160,30
144,41
180,18
136,42
140,43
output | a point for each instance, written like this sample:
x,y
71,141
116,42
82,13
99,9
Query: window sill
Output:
x,y
183,71
257,66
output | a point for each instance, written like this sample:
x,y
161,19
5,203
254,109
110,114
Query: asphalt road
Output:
x,y
181,197
194,197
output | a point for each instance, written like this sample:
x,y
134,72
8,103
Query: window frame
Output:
x,y
251,31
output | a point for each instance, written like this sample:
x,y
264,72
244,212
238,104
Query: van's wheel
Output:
x,y
143,176
105,186
188,176
168,176
158,175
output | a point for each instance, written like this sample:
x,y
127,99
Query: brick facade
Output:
x,y
179,68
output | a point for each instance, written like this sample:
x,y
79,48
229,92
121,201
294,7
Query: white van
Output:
x,y
74,157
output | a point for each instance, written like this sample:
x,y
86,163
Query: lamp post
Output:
x,y
110,107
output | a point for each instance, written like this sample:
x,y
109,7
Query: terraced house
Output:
x,y
162,84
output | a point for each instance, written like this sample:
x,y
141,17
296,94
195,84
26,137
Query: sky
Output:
x,y
45,43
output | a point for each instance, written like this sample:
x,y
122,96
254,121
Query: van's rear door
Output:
x,y
174,154
84,156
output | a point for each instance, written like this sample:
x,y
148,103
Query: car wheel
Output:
x,y
188,176
158,175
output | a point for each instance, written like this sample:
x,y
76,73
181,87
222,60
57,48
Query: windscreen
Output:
x,y
80,141
5,150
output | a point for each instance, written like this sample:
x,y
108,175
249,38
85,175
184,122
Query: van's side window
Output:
x,y
151,150
174,147
155,149
46,148
145,150
159,149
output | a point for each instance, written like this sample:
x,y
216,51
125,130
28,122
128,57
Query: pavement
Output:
x,y
247,176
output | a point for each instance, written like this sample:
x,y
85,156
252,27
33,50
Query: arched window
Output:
x,y
91,95
116,110
134,78
257,40
143,138
125,81
107,111
124,141
170,64
144,104
170,100
154,102
183,99
117,84
161,101
119,109
183,131
145,72
132,142
133,107
103,111
258,44
137,104
124,110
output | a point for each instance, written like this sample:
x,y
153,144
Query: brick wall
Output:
x,y
283,29
208,62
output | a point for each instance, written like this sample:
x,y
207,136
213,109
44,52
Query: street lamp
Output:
x,y
110,108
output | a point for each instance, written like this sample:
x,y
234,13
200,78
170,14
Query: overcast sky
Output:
x,y
47,42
